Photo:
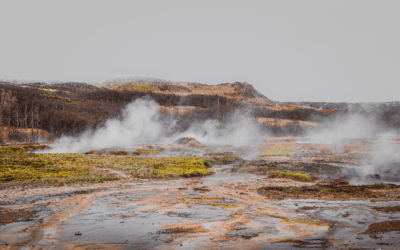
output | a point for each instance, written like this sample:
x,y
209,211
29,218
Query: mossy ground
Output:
x,y
145,152
294,176
18,165
334,191
277,151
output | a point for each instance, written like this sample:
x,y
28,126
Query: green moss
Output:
x,y
16,164
180,166
24,167
145,152
9,150
295,176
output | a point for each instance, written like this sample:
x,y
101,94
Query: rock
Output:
x,y
118,152
187,141
340,182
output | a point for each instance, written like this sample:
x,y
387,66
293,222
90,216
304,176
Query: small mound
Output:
x,y
337,182
190,141
118,152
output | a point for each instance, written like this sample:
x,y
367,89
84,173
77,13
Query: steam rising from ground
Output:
x,y
239,131
383,166
353,126
140,122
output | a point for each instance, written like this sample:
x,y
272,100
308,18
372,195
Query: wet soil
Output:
x,y
267,166
385,226
390,209
376,192
9,216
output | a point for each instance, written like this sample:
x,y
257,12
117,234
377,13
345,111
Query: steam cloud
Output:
x,y
140,122
383,166
239,131
353,126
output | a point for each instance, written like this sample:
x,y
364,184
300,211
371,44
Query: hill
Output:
x,y
72,107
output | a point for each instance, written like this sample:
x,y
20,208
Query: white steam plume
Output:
x,y
354,126
239,130
383,166
139,123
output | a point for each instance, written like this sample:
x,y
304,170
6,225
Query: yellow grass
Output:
x,y
283,122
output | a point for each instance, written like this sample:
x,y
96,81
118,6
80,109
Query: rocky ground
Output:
x,y
281,193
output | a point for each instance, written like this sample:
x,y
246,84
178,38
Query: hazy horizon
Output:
x,y
337,51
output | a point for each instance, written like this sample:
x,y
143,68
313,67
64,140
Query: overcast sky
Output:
x,y
288,50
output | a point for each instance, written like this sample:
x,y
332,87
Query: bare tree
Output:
x,y
37,122
6,103
9,121
17,117
26,120
32,124
17,123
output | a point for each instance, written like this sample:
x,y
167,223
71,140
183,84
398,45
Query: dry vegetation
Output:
x,y
284,122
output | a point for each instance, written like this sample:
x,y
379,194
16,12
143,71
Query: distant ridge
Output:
x,y
135,79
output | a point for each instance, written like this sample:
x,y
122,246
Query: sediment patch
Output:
x,y
377,192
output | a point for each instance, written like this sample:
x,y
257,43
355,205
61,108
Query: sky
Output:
x,y
289,50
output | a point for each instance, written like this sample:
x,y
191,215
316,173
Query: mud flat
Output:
x,y
278,195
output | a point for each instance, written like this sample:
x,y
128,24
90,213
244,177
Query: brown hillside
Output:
x,y
284,122
70,108
238,92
